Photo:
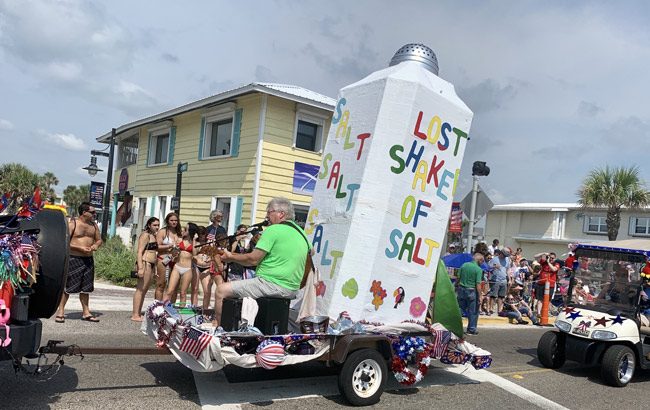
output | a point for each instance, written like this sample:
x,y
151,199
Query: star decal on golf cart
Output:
x,y
575,315
602,322
618,319
569,310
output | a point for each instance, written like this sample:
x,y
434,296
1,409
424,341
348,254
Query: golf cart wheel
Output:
x,y
617,367
363,377
550,350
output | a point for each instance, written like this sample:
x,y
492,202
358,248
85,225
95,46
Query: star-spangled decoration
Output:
x,y
569,310
618,319
575,315
602,322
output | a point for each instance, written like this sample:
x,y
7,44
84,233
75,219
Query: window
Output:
x,y
641,226
127,151
309,132
595,224
159,147
162,208
223,204
301,212
218,137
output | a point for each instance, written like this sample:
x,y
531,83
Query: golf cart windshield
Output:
x,y
607,281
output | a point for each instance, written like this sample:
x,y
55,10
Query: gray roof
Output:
x,y
289,92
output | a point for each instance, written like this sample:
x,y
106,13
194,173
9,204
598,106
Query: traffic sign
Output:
x,y
483,203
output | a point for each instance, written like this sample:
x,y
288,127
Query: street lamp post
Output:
x,y
92,171
479,169
180,168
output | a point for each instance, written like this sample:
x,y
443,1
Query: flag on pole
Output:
x,y
194,342
445,305
456,218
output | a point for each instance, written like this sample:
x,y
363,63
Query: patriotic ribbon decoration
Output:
x,y
17,252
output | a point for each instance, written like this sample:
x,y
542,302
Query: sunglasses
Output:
x,y
92,212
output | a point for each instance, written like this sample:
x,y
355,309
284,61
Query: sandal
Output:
x,y
59,319
90,318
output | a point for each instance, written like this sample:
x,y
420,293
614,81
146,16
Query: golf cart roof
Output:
x,y
638,246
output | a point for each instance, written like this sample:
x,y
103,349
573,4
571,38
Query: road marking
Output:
x,y
215,392
523,372
483,376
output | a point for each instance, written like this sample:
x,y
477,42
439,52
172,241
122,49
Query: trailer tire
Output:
x,y
550,350
363,377
617,367
53,258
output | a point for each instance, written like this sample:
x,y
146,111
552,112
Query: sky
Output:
x,y
557,88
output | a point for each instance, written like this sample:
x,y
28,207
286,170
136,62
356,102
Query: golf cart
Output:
x,y
601,323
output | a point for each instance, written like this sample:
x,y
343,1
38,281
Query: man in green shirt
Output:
x,y
470,276
280,256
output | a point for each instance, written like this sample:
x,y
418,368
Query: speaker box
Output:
x,y
273,316
231,314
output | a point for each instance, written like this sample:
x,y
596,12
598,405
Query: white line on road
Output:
x,y
483,376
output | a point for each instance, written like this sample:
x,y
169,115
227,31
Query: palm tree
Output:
x,y
17,180
48,180
613,188
74,195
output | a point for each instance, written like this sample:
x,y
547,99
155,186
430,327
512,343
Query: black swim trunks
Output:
x,y
81,275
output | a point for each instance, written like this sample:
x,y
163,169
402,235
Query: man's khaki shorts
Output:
x,y
258,288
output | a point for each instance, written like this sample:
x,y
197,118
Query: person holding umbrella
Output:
x,y
470,276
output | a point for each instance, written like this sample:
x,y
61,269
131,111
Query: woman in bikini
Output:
x,y
147,258
201,264
182,271
206,260
167,238
218,269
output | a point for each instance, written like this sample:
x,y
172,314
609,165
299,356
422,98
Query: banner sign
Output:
x,y
97,194
456,218
304,178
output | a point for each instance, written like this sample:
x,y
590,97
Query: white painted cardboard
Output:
x,y
359,220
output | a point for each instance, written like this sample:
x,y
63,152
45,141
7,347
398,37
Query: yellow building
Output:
x,y
242,147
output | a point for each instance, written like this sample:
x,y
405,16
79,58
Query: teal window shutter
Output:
x,y
172,142
235,133
149,151
238,211
201,138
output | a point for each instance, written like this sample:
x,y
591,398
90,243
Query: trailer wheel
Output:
x,y
363,377
550,350
617,367
53,238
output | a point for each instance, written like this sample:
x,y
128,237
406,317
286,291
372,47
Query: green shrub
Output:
x,y
114,263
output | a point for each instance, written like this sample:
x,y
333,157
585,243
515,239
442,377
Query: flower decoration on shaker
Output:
x,y
379,294
418,307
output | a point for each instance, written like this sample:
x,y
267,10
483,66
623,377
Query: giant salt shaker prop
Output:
x,y
383,196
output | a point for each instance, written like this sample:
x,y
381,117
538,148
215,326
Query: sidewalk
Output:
x,y
499,320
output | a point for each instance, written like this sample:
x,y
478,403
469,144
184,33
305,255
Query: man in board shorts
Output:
x,y
84,241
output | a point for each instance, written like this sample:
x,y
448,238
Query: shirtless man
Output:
x,y
84,240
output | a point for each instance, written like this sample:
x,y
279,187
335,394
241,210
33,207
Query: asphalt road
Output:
x,y
110,381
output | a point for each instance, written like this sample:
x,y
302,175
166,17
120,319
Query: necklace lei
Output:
x,y
410,350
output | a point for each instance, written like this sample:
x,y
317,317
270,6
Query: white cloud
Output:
x,y
6,125
67,141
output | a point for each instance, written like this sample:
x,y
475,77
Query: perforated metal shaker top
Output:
x,y
418,53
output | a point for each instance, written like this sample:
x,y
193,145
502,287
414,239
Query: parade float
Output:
x,y
605,320
377,222
33,270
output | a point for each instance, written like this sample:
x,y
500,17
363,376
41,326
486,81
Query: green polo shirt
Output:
x,y
470,275
286,253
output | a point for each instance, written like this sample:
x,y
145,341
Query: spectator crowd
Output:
x,y
503,282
